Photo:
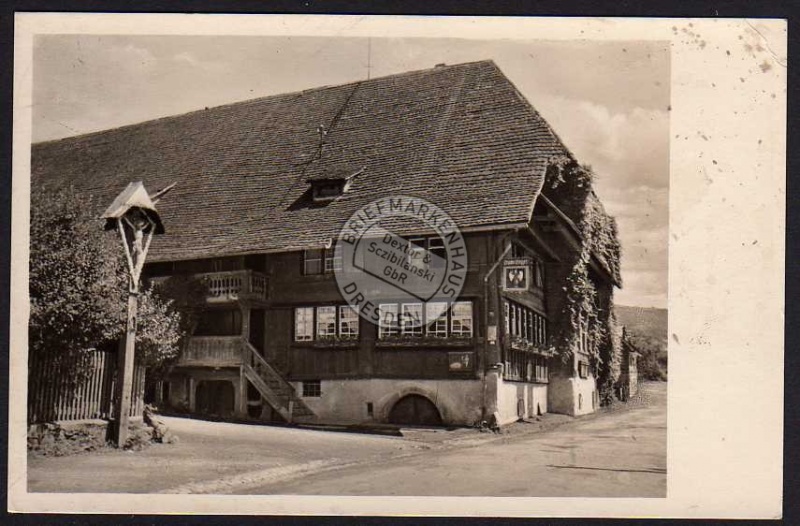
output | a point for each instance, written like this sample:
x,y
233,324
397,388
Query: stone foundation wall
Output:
x,y
345,401
515,399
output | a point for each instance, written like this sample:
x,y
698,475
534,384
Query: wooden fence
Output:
x,y
54,397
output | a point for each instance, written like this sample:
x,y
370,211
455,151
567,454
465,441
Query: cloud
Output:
x,y
624,149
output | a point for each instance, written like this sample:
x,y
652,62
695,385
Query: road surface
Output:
x,y
616,454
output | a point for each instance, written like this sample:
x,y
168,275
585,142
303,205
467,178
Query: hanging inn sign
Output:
x,y
517,273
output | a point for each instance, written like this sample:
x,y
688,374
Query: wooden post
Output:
x,y
125,370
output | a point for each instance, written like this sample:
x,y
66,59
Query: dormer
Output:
x,y
330,184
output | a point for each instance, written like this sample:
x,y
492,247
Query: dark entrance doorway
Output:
x,y
215,398
415,410
256,336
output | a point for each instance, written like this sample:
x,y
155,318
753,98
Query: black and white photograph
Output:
x,y
340,263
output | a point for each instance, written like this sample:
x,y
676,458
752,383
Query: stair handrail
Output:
x,y
254,357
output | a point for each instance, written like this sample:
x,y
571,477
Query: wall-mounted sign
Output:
x,y
518,261
516,277
461,361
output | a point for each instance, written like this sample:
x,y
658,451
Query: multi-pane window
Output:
x,y
411,319
312,388
524,366
333,259
304,324
525,323
427,252
389,324
461,318
325,322
435,319
583,369
322,260
348,322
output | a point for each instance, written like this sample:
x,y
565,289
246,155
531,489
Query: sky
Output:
x,y
607,101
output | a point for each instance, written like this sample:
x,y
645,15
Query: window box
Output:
x,y
426,342
518,343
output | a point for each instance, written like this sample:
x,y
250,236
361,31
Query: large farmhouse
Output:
x,y
263,190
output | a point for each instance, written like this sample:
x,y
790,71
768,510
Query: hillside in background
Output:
x,y
643,320
647,331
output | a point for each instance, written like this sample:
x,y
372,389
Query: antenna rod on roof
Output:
x,y
158,195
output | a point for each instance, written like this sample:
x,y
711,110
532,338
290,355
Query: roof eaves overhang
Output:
x,y
324,242
597,261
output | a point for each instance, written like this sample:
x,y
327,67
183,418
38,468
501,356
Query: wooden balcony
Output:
x,y
235,285
230,285
213,351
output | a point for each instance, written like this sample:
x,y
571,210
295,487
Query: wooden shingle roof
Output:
x,y
459,136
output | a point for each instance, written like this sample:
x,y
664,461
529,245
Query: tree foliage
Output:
x,y
78,283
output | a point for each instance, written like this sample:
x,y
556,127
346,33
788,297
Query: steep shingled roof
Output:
x,y
459,136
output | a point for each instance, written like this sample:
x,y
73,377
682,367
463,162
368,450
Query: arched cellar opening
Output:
x,y
415,410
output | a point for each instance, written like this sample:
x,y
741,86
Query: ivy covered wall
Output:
x,y
588,298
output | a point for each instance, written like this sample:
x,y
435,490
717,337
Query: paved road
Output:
x,y
616,454
619,454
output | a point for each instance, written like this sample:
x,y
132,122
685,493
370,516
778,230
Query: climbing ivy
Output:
x,y
570,185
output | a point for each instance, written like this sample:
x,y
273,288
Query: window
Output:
x,y
322,260
304,324
416,252
326,322
436,319
421,253
333,259
411,319
524,323
389,320
312,261
583,369
436,248
331,321
521,366
312,388
348,322
461,319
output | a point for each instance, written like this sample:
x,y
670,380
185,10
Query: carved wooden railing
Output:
x,y
235,284
230,285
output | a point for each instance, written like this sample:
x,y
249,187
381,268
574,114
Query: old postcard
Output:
x,y
397,265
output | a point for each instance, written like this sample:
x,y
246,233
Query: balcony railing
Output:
x,y
230,285
235,284
213,351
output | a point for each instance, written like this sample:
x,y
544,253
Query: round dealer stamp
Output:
x,y
392,279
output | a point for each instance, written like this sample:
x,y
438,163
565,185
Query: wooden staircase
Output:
x,y
274,389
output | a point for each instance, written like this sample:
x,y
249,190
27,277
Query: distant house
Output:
x,y
263,186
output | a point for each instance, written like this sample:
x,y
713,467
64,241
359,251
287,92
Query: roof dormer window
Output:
x,y
330,184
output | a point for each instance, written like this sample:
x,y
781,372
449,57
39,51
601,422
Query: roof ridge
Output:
x,y
290,94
